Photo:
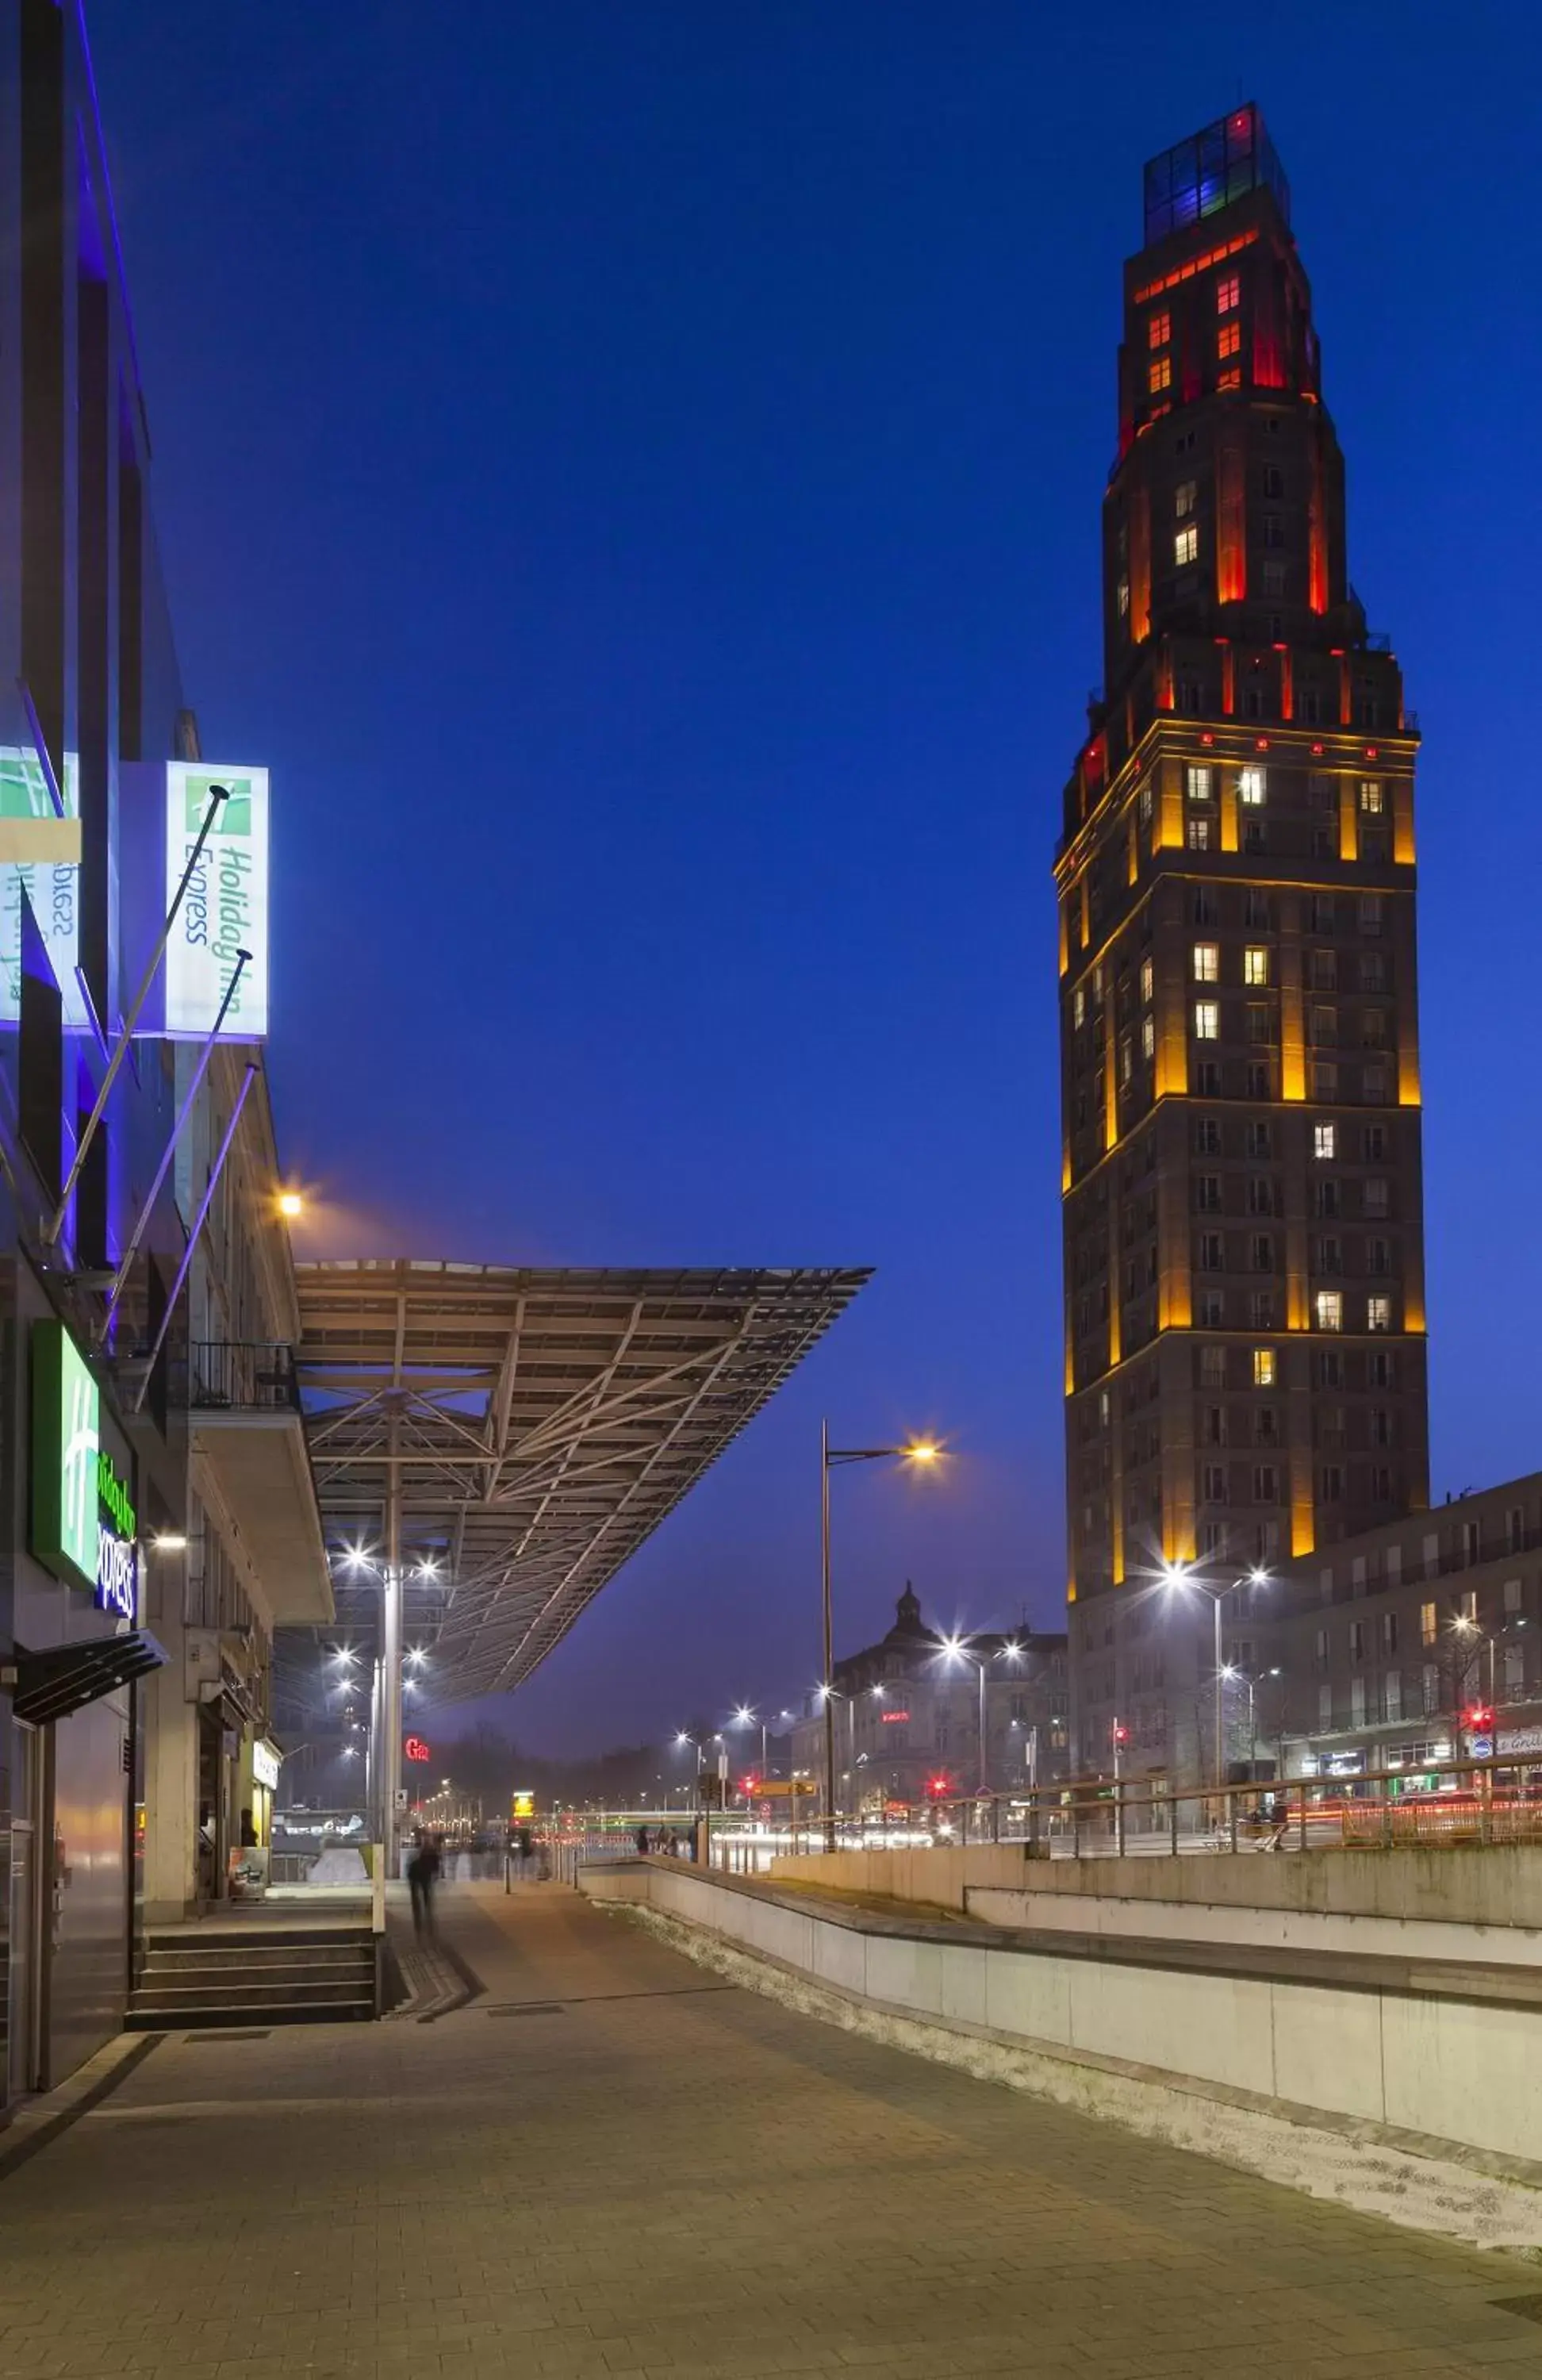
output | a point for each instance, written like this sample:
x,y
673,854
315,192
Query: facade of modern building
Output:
x,y
99,1478
907,1716
1377,1651
1245,1348
252,1557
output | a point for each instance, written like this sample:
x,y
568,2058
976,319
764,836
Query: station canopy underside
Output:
x,y
518,1433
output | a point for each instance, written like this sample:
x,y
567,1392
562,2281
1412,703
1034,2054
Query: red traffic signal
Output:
x,y
748,1785
936,1786
1121,1732
1479,1720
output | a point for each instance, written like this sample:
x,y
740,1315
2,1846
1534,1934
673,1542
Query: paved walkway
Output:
x,y
615,2164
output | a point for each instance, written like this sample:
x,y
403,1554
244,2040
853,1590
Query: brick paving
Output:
x,y
670,2178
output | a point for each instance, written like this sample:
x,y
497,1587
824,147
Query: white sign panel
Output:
x,y
225,909
53,888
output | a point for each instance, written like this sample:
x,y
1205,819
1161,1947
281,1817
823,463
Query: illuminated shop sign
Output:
x,y
264,1766
416,1749
66,1421
524,1803
84,1527
893,1719
47,877
118,1552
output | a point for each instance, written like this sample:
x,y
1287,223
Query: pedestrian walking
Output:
x,y
642,1842
422,1874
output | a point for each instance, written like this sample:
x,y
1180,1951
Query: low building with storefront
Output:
x,y
1386,1650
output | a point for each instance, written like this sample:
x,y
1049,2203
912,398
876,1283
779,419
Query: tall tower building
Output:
x,y
1245,1348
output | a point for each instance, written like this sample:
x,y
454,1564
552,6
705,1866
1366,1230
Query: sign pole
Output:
x,y
131,1251
217,794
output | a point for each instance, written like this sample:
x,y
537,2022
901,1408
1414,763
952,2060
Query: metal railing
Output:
x,y
238,1376
1455,1803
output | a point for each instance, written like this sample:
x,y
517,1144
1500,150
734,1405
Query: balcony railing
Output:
x,y
235,1376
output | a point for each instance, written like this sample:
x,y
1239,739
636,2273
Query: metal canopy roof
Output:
x,y
534,1428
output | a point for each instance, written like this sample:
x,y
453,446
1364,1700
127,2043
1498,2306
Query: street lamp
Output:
x,y
1466,1629
955,1649
745,1717
1178,1576
922,1450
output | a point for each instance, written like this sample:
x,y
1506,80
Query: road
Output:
x,y
615,2164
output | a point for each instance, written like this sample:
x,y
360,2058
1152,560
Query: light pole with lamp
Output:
x,y
953,1648
1179,1575
922,1450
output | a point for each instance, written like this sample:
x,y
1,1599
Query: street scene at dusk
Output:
x,y
770,1526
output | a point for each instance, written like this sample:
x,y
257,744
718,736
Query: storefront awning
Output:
x,y
50,1685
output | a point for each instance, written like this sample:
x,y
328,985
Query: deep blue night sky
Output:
x,y
632,467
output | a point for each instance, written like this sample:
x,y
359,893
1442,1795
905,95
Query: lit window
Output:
x,y
1186,546
1078,1005
1147,980
1124,593
1207,1020
1146,805
1159,330
1255,966
1148,1036
1197,782
1429,1624
1263,1367
1229,340
1228,293
1200,834
1207,963
1370,797
1250,788
1229,378
1378,1312
1329,1306
1184,501
1325,1140
1159,375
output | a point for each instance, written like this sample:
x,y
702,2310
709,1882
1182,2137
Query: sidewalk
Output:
x,y
611,2163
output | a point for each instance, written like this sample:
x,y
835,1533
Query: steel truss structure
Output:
x,y
506,1437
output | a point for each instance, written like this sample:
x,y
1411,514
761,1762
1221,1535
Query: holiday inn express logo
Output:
x,y
233,817
66,1443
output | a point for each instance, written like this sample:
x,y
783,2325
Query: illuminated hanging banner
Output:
x,y
40,855
225,909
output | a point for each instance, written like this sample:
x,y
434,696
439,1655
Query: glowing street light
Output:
x,y
290,1204
1179,1577
923,1451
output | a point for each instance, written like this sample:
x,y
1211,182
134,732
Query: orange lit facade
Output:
x,y
1241,1148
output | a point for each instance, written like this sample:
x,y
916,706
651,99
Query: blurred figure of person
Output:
x,y
526,1850
642,1842
422,1874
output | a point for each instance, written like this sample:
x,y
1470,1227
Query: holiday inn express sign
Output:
x,y
84,1527
225,909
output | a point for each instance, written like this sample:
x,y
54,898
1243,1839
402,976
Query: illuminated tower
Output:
x,y
1244,1349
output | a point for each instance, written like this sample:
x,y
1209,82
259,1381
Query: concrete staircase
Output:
x,y
224,1974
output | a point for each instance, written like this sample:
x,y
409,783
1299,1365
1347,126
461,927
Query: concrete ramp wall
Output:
x,y
1441,2059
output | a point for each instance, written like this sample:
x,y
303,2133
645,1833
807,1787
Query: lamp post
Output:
x,y
1178,1576
1467,1629
955,1649
920,1451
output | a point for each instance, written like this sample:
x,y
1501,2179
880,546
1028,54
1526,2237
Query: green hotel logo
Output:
x,y
66,1442
234,815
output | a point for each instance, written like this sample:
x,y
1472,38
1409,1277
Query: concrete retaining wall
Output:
x,y
1424,1904
1457,2068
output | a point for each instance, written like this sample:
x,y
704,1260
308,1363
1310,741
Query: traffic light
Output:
x,y
1478,1720
1121,1732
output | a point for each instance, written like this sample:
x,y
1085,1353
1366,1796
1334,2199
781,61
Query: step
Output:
x,y
240,1962
274,1988
249,1940
188,2020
